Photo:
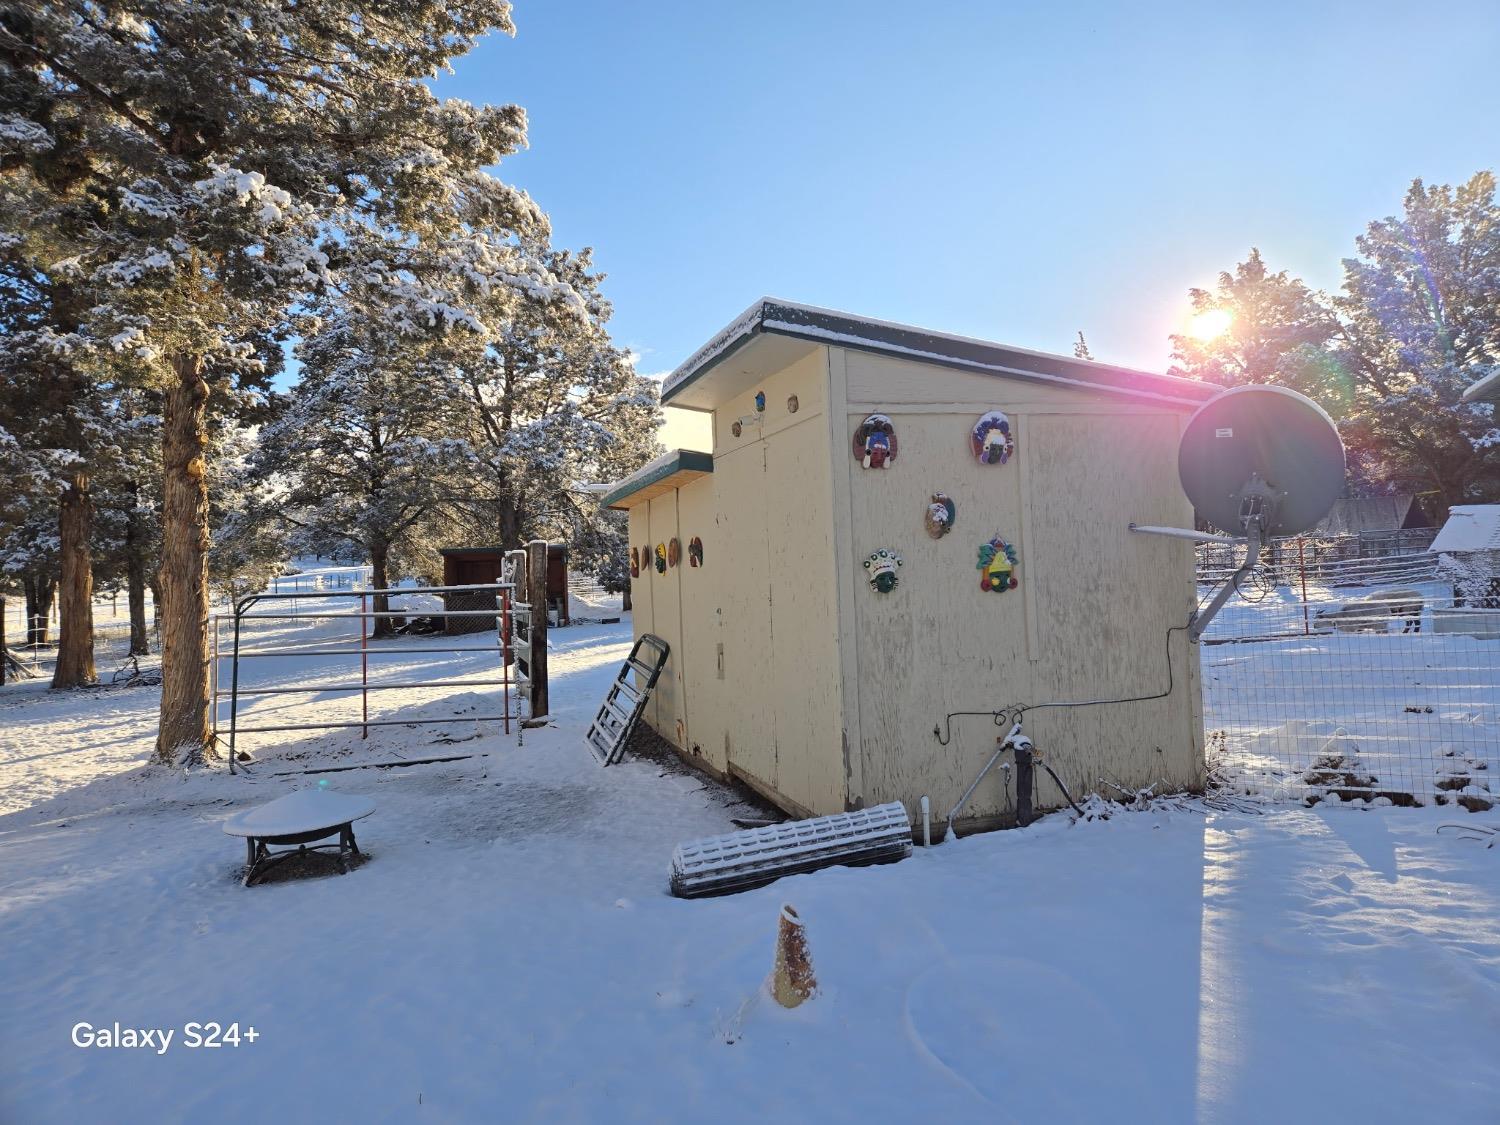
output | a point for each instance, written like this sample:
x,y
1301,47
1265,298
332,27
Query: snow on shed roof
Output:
x,y
1470,527
826,326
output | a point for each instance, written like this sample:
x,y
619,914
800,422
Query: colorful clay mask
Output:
x,y
997,566
661,558
940,515
881,567
695,551
875,442
991,439
635,562
674,553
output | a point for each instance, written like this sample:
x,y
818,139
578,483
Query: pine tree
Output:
x,y
1421,306
215,137
53,405
1279,332
553,406
360,453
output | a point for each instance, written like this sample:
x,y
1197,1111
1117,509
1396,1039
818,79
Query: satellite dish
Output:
x,y
1263,453
1256,462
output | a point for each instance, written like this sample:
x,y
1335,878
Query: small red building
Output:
x,y
469,566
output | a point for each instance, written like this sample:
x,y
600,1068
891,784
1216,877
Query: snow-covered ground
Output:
x,y
1422,707
510,953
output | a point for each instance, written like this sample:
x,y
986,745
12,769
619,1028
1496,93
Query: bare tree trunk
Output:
x,y
135,583
183,575
39,591
380,580
510,525
75,634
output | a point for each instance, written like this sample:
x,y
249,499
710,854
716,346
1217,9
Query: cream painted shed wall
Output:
x,y
767,706
789,671
1087,620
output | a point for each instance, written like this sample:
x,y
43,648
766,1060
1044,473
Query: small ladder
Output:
x,y
611,728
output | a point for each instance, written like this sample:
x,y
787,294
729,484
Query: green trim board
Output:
x,y
667,472
824,326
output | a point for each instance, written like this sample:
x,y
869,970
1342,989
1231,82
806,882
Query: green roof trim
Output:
x,y
657,473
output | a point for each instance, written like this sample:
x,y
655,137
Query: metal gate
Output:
x,y
502,612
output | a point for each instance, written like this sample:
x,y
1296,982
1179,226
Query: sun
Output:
x,y
1209,324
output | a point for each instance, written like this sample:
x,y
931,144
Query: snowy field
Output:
x,y
1420,710
509,951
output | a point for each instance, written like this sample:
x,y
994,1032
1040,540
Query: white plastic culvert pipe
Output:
x,y
926,823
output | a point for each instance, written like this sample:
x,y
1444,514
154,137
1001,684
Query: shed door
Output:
x,y
749,702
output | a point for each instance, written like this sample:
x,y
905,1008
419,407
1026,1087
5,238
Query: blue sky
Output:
x,y
1014,172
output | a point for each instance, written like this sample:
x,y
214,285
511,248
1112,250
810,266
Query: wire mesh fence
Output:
x,y
112,659
1338,674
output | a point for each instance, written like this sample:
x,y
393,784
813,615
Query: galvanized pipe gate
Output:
x,y
505,614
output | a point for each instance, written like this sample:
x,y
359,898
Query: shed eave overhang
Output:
x,y
667,472
770,316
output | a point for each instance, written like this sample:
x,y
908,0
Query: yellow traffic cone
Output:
x,y
793,980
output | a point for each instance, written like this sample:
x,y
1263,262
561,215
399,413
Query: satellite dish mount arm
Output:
x,y
1257,509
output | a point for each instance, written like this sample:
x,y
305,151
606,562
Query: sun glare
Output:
x,y
1210,324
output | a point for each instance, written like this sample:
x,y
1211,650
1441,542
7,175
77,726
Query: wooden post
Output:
x,y
3,655
536,594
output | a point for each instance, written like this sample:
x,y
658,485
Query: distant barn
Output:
x,y
472,566
1357,515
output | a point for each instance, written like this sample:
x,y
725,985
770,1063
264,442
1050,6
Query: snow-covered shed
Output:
x,y
896,524
1468,551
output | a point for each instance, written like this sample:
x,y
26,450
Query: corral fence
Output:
x,y
236,642
1347,670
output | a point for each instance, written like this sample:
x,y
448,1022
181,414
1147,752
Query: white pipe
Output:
x,y
926,823
1184,533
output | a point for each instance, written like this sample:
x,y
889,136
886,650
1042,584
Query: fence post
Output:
x,y
536,594
505,651
2,640
1302,566
364,667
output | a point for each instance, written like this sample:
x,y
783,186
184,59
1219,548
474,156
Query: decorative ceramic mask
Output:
x,y
674,552
875,442
661,558
695,551
940,515
991,439
882,567
997,566
635,562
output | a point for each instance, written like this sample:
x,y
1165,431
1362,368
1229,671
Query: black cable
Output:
x,y
1013,712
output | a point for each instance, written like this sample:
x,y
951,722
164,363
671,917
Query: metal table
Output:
x,y
293,823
